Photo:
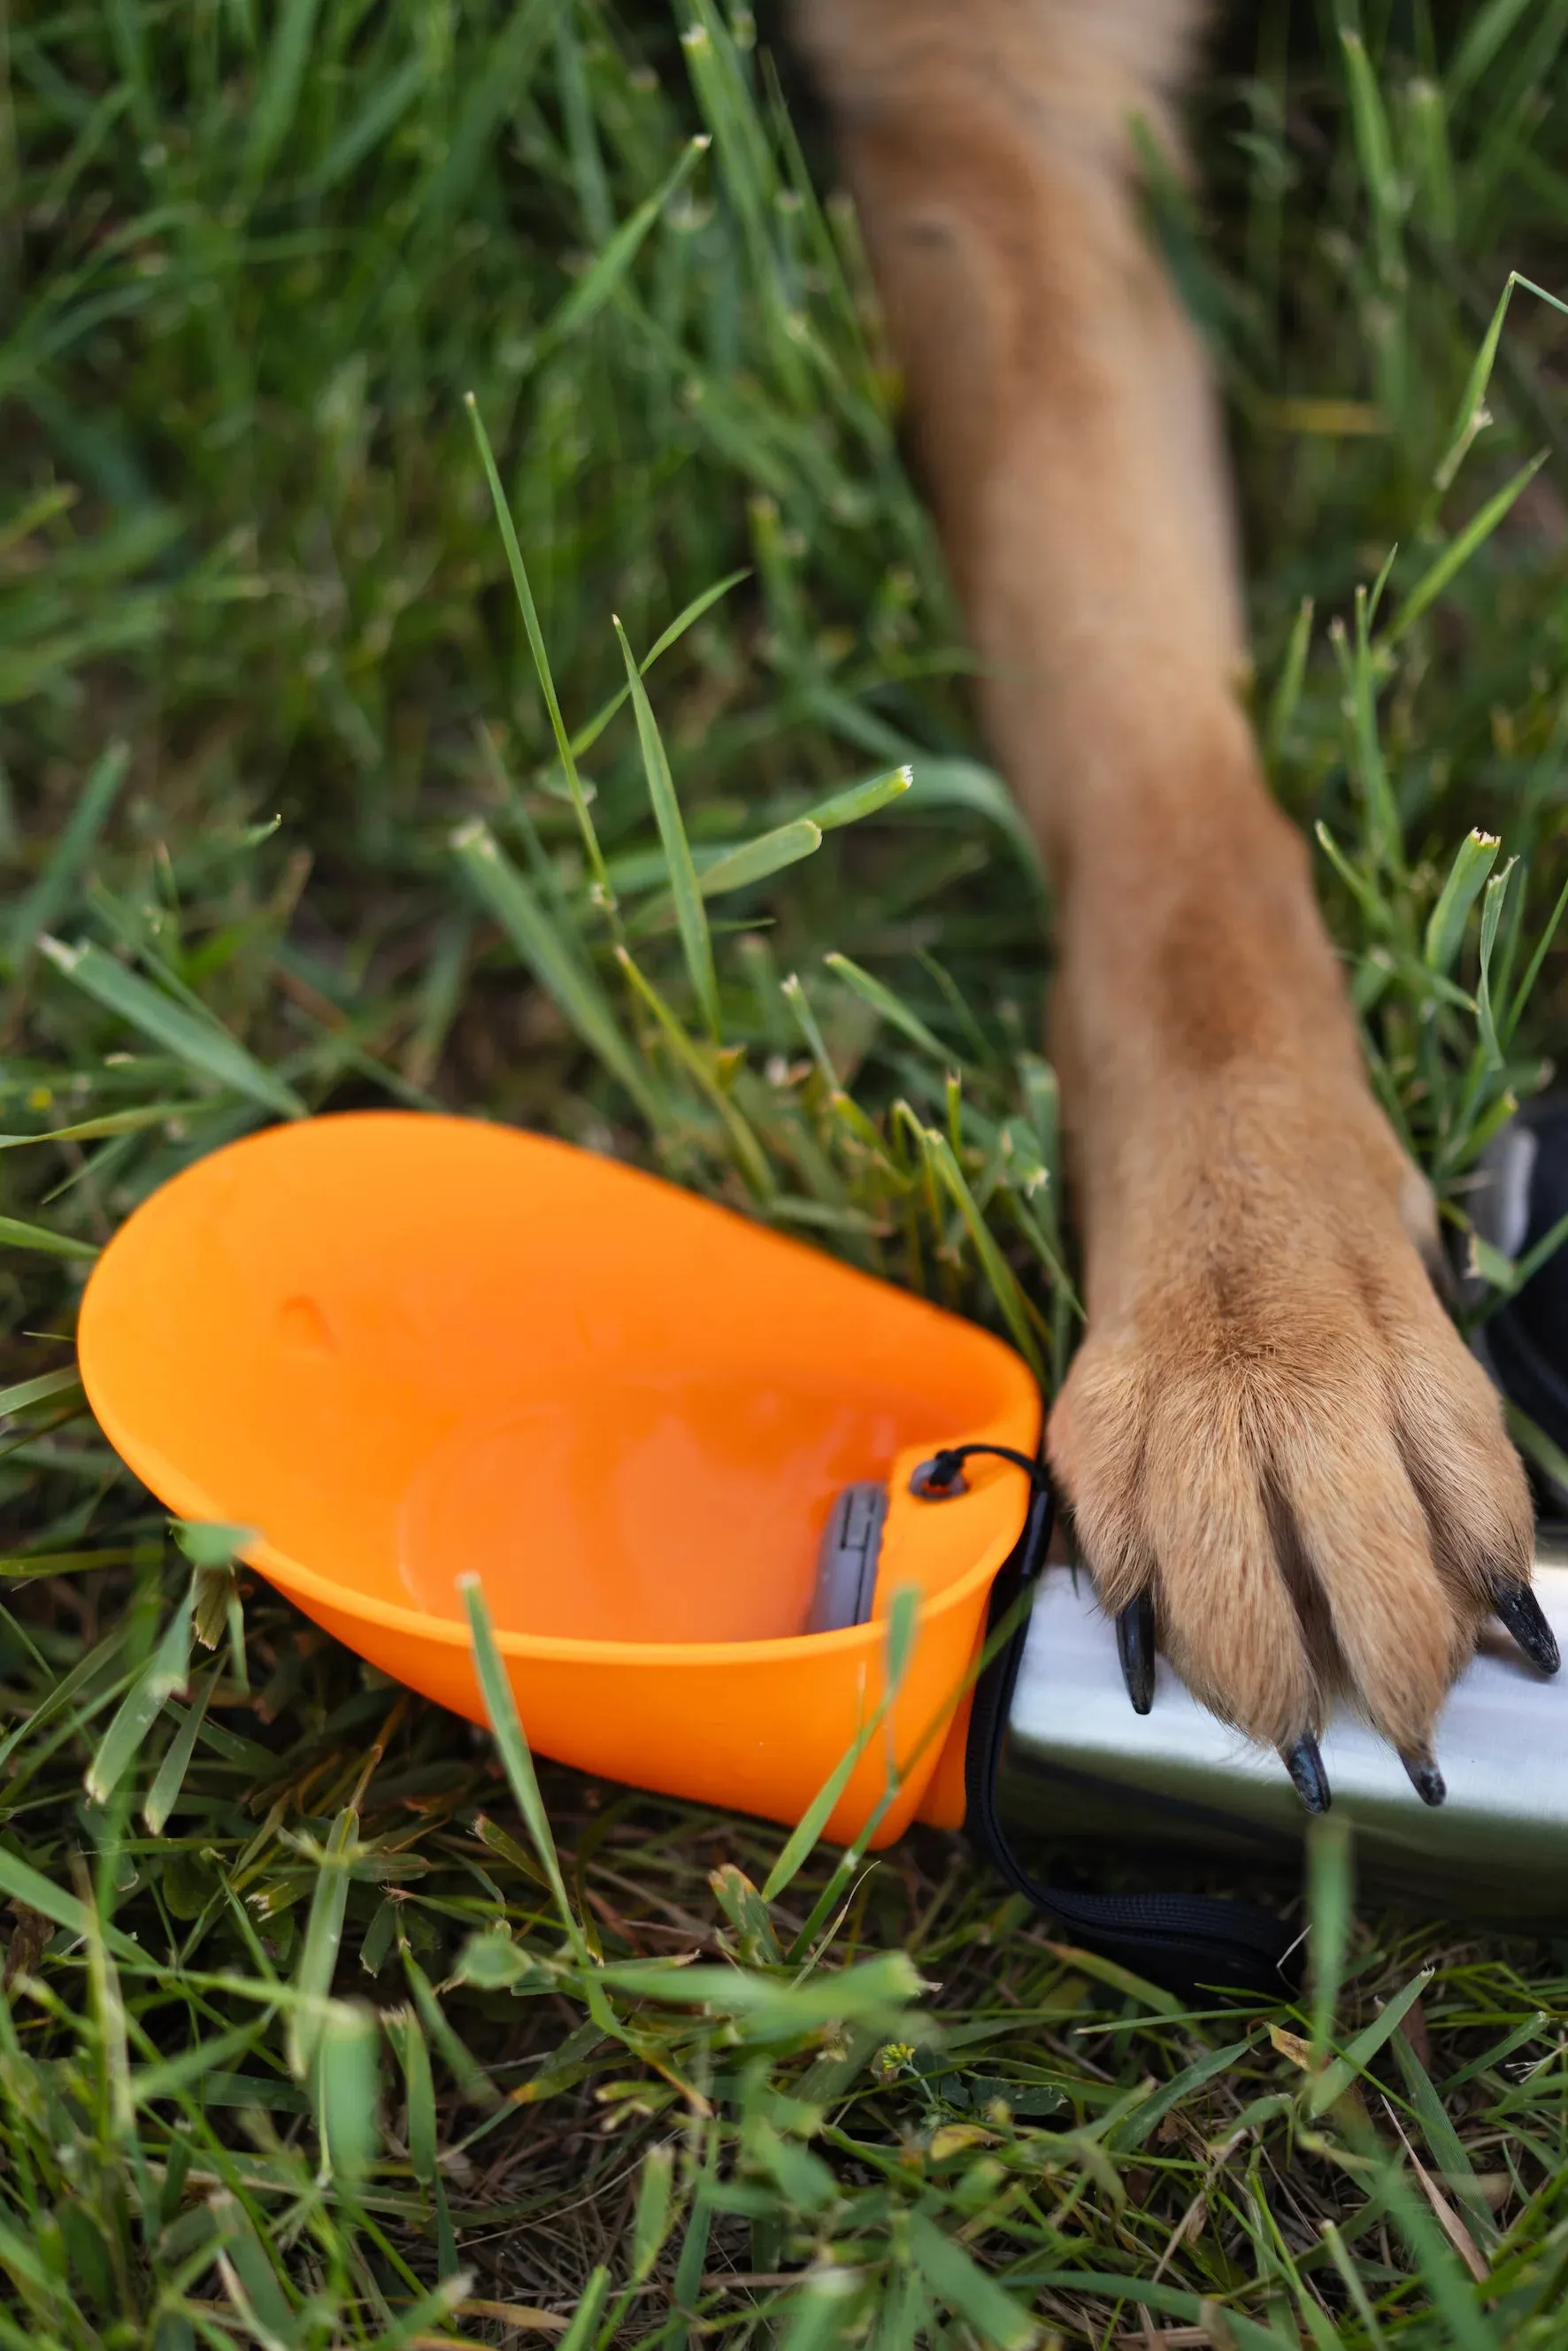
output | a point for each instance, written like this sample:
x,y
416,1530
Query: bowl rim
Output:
x,y
184,1497
186,1501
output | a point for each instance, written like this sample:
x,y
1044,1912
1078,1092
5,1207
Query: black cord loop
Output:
x,y
938,1479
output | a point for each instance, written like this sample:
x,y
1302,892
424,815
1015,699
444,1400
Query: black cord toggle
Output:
x,y
938,1479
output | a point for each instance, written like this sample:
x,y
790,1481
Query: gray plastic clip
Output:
x,y
846,1561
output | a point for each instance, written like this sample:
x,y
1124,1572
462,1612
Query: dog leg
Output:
x,y
1271,1429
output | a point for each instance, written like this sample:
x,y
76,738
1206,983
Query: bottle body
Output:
x,y
1178,1795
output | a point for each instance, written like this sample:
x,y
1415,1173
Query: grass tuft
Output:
x,y
358,366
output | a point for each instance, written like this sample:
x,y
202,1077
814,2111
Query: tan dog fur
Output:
x,y
1271,1423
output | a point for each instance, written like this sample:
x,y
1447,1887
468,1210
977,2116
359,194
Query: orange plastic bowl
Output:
x,y
405,1348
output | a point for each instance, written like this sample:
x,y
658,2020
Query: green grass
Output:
x,y
314,2033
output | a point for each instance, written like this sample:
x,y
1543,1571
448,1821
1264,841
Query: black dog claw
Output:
x,y
1136,1647
1521,1611
1424,1778
1304,1763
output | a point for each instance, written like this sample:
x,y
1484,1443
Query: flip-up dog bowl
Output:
x,y
407,1348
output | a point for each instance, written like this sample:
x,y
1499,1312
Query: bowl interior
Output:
x,y
405,1347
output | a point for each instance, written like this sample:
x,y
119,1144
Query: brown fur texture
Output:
x,y
1271,1423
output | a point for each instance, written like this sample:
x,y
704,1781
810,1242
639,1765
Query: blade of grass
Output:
x,y
963,784
114,1122
1447,2147
749,1155
821,2309
1532,970
36,1391
553,963
805,1836
20,1882
277,92
599,281
861,801
585,2317
957,2279
1336,2078
15,1233
163,1677
999,1276
1329,1901
690,919
517,1762
1457,553
654,2214
1475,857
51,894
319,1953
170,1777
379,115
526,605
739,869
1492,899
414,2055
1287,694
347,2085
202,1043
892,1009
1384,833
1485,35
586,736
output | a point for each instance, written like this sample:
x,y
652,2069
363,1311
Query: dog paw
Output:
x,y
1285,1466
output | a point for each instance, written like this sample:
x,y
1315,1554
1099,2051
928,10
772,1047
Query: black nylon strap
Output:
x,y
1182,1942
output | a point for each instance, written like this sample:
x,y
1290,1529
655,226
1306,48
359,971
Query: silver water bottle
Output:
x,y
1177,1797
